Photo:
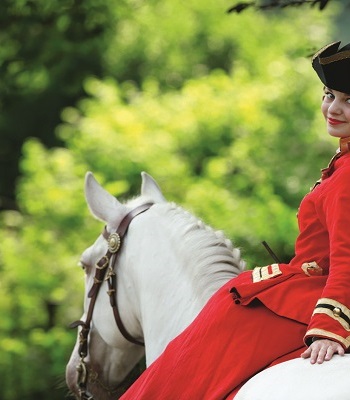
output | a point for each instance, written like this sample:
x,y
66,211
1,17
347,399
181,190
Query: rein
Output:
x,y
104,272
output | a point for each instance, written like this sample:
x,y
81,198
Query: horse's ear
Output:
x,y
151,189
102,204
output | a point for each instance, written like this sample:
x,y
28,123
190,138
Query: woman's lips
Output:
x,y
333,121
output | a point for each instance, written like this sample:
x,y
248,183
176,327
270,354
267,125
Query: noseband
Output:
x,y
104,272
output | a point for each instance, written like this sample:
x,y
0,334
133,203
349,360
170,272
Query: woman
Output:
x,y
280,311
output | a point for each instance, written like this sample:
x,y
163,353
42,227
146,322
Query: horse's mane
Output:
x,y
216,259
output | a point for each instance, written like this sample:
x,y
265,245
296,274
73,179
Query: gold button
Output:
x,y
336,311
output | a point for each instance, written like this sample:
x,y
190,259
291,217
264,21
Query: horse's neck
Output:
x,y
166,299
166,280
167,309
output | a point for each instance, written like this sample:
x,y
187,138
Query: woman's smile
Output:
x,y
333,121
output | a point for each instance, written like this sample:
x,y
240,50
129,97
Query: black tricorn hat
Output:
x,y
333,66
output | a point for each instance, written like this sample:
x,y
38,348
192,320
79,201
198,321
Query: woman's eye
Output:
x,y
329,95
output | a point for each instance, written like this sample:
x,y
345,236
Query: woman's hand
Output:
x,y
322,350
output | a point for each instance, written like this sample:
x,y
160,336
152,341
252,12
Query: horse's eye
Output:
x,y
82,265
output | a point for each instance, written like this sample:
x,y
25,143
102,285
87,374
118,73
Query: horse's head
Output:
x,y
167,267
109,344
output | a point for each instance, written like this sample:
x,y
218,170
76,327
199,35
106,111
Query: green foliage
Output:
x,y
237,141
47,50
221,110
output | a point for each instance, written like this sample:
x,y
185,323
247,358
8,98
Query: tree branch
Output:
x,y
273,4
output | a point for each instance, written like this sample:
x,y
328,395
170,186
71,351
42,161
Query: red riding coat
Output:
x,y
321,262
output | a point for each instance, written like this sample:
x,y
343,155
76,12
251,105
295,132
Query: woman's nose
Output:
x,y
335,107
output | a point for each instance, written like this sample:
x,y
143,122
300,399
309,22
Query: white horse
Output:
x,y
169,265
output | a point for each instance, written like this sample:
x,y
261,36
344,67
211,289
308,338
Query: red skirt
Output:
x,y
222,348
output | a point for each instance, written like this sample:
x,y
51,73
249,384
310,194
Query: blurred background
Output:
x,y
222,109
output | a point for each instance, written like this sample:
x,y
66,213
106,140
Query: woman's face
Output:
x,y
336,110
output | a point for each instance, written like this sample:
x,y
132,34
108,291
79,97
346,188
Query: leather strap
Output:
x,y
112,275
124,225
107,263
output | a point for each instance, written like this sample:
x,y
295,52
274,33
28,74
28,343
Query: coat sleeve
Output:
x,y
331,316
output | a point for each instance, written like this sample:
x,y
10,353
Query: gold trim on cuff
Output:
x,y
327,335
335,310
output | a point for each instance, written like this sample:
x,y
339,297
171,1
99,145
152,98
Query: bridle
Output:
x,y
105,271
